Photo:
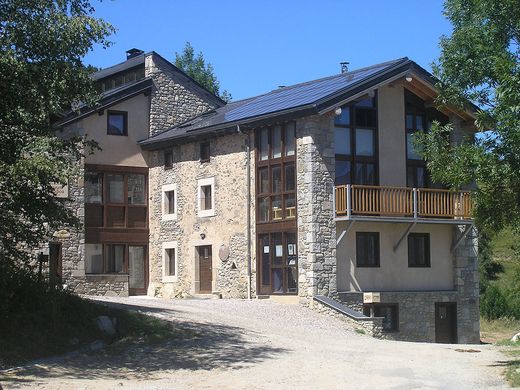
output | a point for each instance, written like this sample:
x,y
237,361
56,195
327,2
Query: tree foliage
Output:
x,y
480,63
197,68
42,44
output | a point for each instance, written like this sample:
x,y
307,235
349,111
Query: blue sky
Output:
x,y
255,46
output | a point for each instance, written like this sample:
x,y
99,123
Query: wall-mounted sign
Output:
x,y
61,191
371,297
223,252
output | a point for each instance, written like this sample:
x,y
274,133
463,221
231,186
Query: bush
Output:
x,y
494,304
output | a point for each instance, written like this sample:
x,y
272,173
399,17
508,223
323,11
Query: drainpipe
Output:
x,y
248,209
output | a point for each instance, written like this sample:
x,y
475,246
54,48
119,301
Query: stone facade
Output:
x,y
226,228
316,225
175,98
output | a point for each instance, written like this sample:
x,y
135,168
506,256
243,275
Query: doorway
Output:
x,y
137,270
278,263
55,264
205,269
446,322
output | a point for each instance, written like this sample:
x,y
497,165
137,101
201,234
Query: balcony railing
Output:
x,y
400,202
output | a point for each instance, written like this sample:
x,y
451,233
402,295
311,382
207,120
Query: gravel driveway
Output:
x,y
262,344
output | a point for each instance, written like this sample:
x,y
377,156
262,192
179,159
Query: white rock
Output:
x,y
515,338
106,325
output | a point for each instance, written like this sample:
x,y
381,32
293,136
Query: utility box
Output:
x,y
371,297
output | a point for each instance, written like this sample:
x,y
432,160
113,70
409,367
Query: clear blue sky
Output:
x,y
256,46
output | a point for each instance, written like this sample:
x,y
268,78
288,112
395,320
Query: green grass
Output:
x,y
70,324
502,246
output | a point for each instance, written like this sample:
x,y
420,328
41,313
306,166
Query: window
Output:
x,y
389,312
169,202
115,200
367,249
114,258
355,140
204,151
93,258
105,259
117,123
169,261
419,250
206,199
168,159
276,173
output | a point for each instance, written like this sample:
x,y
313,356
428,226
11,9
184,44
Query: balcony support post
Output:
x,y
415,205
349,201
462,237
345,232
408,230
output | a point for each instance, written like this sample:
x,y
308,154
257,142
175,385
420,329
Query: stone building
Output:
x,y
312,193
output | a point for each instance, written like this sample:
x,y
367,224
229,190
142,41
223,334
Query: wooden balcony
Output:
x,y
359,202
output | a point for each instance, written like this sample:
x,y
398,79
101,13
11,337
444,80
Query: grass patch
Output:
x,y
360,331
502,246
68,323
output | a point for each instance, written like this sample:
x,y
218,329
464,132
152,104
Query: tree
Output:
x,y
202,72
480,63
41,73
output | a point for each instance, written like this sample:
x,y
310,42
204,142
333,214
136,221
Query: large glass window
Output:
x,y
415,118
355,138
115,200
276,173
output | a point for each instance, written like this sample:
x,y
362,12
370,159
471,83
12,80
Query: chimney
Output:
x,y
133,53
344,66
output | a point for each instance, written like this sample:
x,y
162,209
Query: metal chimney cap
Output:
x,y
344,66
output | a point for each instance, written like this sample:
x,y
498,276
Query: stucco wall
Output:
x,y
394,273
392,143
227,227
117,149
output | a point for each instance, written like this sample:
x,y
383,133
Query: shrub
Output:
x,y
494,304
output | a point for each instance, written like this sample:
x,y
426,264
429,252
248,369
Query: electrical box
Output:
x,y
371,297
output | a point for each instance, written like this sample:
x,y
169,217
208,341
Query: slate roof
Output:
x,y
311,96
125,65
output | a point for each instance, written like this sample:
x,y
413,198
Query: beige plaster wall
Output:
x,y
117,149
392,142
227,227
394,273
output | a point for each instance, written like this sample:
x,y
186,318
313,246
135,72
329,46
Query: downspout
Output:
x,y
248,209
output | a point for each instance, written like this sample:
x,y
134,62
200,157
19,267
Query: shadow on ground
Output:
x,y
194,346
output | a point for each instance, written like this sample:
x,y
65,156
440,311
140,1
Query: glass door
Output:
x,y
278,263
137,269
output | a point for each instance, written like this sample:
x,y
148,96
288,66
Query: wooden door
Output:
x,y
55,264
205,269
446,322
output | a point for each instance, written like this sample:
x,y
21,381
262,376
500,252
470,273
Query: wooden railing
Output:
x,y
402,202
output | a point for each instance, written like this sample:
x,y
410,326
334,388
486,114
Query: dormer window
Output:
x,y
117,123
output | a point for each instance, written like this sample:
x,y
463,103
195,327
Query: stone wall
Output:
x,y
228,227
175,98
316,225
467,284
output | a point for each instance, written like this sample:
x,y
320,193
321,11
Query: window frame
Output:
x,y
168,162
105,205
203,147
427,254
377,306
166,277
353,158
165,202
125,122
104,260
286,214
377,264
210,181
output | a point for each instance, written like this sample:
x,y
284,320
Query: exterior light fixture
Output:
x,y
409,77
202,236
337,111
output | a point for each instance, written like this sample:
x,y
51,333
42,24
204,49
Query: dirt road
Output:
x,y
261,344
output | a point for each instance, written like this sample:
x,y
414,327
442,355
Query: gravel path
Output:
x,y
262,344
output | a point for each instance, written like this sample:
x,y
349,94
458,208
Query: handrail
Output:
x,y
402,202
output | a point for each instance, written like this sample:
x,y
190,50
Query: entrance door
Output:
x,y
278,263
55,264
205,269
446,322
137,270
